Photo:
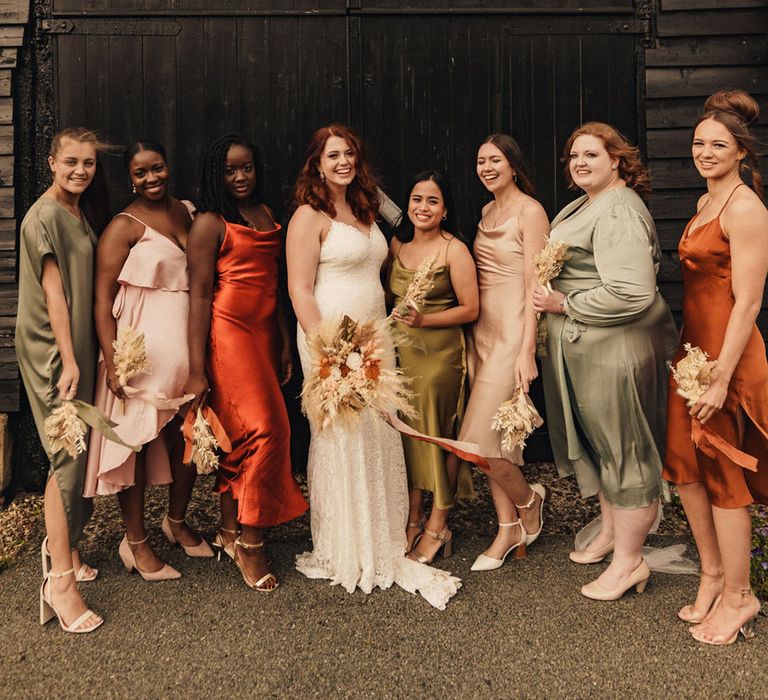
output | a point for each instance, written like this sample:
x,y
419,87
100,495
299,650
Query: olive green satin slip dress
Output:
x,y
49,229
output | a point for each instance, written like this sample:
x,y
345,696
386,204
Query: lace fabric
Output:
x,y
356,474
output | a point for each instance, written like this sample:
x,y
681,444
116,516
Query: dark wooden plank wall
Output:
x,y
14,15
702,46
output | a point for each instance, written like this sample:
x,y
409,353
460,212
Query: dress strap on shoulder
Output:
x,y
725,204
190,207
448,245
325,215
131,216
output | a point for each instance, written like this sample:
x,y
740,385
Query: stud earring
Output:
x,y
322,176
133,189
514,178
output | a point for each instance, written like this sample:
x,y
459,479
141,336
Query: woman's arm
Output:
x,y
534,225
203,245
745,222
302,252
464,282
111,253
58,313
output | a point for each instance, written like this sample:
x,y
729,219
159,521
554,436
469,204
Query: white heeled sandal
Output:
x,y
48,611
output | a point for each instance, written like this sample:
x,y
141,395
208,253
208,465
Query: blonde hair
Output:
x,y
82,135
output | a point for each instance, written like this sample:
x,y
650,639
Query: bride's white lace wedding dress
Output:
x,y
357,483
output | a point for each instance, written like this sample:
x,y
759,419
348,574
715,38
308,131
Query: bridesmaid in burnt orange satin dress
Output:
x,y
717,450
234,250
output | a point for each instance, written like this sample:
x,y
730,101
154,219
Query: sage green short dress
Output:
x,y
436,361
605,379
49,229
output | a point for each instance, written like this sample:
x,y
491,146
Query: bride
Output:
x,y
357,481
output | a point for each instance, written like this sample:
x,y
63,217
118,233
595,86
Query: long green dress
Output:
x,y
49,229
436,360
605,379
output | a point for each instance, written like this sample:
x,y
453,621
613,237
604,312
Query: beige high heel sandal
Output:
x,y
129,562
223,547
538,490
747,629
48,611
84,574
688,612
446,548
202,549
416,526
259,585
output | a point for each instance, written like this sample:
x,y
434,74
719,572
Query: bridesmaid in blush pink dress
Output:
x,y
141,283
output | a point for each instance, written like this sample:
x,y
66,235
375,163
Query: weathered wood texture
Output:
x,y
703,46
14,15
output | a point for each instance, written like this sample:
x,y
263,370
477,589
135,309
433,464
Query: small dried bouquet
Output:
x,y
422,283
347,375
130,355
205,437
516,419
64,429
547,265
693,373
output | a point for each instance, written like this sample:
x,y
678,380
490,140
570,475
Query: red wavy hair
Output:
x,y
631,167
362,195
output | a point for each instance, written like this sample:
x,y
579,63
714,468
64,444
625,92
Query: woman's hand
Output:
x,y
67,384
114,385
197,384
286,365
525,370
413,318
711,401
548,302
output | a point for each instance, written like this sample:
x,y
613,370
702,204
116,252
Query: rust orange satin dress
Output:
x,y
742,423
242,367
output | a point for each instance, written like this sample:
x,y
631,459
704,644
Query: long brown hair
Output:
x,y
631,167
514,155
736,110
362,195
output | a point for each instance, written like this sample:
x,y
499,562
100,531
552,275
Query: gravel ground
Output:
x,y
523,631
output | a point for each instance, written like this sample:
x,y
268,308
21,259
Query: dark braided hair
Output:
x,y
213,195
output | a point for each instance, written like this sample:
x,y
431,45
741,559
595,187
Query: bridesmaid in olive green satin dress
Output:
x,y
436,357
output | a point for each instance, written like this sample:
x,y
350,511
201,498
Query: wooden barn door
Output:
x,y
423,81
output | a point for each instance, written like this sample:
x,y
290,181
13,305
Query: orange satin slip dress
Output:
x,y
242,366
740,428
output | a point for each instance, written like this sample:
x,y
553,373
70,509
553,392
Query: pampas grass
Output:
x,y
65,429
130,355
204,445
516,419
347,376
422,283
693,373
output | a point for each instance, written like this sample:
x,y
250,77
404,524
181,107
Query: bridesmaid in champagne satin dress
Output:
x,y
238,346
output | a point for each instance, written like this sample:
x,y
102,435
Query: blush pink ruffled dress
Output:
x,y
153,299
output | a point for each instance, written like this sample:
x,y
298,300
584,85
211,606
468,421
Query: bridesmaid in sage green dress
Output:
x,y
56,351
435,358
610,334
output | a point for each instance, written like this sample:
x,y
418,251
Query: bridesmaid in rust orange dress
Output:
x,y
717,451
238,344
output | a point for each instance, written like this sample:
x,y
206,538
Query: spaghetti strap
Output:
x,y
190,208
399,248
725,204
135,218
325,215
448,245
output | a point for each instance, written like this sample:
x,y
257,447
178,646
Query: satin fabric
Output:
x,y
242,367
705,260
605,378
435,360
49,229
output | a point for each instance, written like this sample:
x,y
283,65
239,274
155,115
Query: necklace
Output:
x,y
499,218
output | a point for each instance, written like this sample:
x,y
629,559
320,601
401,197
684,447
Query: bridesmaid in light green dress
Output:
x,y
610,334
56,350
433,356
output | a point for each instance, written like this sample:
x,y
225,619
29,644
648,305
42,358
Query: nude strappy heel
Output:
x,y
259,585
416,526
445,536
48,611
223,547
202,549
538,490
129,562
486,563
81,575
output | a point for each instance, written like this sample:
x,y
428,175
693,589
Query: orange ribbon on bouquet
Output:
x,y
217,429
709,442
